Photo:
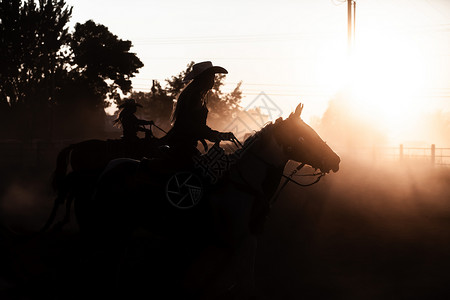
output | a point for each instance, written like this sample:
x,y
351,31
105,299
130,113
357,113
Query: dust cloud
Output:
x,y
350,123
377,229
24,205
370,231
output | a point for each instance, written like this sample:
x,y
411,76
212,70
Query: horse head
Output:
x,y
302,144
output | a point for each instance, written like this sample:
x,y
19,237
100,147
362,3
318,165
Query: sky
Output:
x,y
293,50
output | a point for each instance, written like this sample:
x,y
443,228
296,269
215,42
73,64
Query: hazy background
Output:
x,y
372,231
297,51
377,229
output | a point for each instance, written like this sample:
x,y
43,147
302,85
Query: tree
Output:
x,y
158,103
100,64
223,106
44,69
100,56
31,37
175,84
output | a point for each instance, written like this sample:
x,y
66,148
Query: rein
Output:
x,y
287,178
159,128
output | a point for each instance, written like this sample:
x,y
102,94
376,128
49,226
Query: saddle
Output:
x,y
135,149
184,184
185,180
177,179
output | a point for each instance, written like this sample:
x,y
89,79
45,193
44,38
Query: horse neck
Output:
x,y
263,159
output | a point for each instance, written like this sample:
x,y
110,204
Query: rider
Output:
x,y
130,123
191,112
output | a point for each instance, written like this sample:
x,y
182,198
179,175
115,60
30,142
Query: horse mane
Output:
x,y
262,132
259,136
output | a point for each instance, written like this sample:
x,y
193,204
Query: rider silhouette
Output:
x,y
130,123
191,112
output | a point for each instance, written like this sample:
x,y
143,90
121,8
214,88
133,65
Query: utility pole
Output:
x,y
351,10
349,24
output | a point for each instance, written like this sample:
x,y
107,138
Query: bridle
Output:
x,y
288,178
299,167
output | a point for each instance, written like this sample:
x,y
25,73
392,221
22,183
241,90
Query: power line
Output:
x,y
235,38
229,58
254,92
338,2
297,86
265,37
261,84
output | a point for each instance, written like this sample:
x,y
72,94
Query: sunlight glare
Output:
x,y
385,77
387,80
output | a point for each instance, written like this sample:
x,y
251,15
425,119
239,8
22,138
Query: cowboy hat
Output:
x,y
129,102
201,67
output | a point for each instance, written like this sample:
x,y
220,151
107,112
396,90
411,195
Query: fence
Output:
x,y
41,153
30,154
429,155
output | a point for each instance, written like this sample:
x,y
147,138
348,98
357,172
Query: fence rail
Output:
x,y
431,155
39,153
34,153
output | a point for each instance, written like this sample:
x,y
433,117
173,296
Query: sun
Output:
x,y
385,74
387,80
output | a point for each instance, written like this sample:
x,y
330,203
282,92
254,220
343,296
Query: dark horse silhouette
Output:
x,y
93,155
87,160
205,251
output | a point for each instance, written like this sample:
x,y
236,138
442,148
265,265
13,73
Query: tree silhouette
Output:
x,y
47,71
31,37
158,103
175,83
100,56
222,106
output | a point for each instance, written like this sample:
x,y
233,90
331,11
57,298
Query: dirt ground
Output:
x,y
370,231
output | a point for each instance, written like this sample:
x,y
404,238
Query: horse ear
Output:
x,y
298,110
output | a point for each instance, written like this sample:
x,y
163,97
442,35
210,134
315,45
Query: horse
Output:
x,y
93,155
208,244
86,160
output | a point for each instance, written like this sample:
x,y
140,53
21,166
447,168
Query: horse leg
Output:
x,y
205,272
233,210
236,278
245,267
58,226
62,161
58,201
65,186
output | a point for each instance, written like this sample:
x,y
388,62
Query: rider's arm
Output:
x,y
144,122
210,134
215,136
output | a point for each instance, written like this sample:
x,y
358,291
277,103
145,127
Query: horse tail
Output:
x,y
64,193
58,201
60,184
62,162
